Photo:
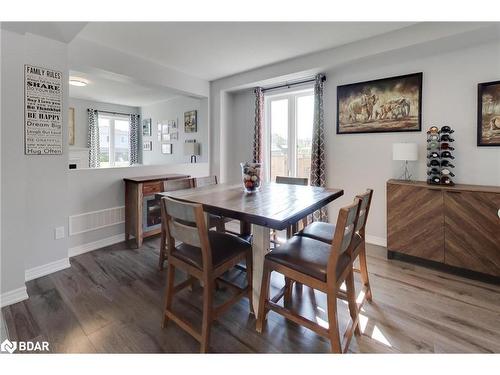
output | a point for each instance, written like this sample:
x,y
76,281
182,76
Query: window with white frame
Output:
x,y
289,126
114,140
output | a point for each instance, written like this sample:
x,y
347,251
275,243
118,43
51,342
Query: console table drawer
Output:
x,y
151,188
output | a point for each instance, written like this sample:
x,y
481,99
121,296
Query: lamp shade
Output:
x,y
405,151
191,148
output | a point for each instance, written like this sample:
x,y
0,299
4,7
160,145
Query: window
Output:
x,y
114,140
289,125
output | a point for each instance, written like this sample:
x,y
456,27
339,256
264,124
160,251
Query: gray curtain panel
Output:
x,y
259,125
135,121
93,139
318,159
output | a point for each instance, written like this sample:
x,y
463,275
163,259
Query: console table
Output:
x,y
142,208
457,226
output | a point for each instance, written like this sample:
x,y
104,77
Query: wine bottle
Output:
x,y
447,154
446,163
446,180
447,172
433,137
434,180
433,163
446,146
433,145
433,129
433,154
446,138
446,129
433,171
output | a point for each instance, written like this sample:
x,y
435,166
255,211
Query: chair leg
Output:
x,y
333,324
249,266
163,249
169,294
364,273
220,226
288,290
207,315
351,299
264,297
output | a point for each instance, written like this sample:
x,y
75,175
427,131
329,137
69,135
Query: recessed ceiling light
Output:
x,y
78,82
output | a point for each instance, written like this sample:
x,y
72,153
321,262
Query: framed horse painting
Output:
x,y
488,114
383,105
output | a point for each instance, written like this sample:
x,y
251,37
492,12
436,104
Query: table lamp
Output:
x,y
405,152
193,149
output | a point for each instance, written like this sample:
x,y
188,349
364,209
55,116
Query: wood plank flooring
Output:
x,y
110,301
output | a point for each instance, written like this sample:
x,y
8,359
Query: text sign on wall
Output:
x,y
42,111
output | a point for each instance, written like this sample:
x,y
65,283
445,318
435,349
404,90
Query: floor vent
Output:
x,y
90,221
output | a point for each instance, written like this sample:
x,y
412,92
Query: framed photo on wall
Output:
x,y
391,104
147,146
166,148
488,114
146,127
71,126
190,122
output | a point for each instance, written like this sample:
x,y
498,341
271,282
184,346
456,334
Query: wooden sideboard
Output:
x,y
142,215
458,226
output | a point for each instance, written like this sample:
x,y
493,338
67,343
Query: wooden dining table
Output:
x,y
274,206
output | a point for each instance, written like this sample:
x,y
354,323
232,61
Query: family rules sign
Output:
x,y
43,134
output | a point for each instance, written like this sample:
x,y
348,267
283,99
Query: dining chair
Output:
x,y
303,181
204,255
205,181
325,231
321,266
218,221
171,185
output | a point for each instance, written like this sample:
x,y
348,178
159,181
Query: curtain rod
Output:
x,y
288,85
115,113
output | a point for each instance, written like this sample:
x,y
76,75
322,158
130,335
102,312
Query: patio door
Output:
x,y
289,124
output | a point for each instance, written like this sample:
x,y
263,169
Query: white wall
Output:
x,y
174,109
34,188
101,188
358,161
81,117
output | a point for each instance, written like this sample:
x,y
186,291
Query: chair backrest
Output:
x,y
204,181
185,222
364,208
345,228
292,180
178,184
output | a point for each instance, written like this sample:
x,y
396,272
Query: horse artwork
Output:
x,y
488,114
384,105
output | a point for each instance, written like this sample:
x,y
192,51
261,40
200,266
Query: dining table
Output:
x,y
273,206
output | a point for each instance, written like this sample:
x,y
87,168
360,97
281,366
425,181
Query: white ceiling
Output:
x,y
212,50
61,31
113,88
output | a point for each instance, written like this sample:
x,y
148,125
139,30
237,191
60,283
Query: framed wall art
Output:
x,y
146,127
488,114
383,105
190,122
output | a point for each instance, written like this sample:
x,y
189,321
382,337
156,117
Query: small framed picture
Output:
x,y
159,125
159,136
172,124
190,122
174,136
166,137
164,129
146,127
147,145
166,148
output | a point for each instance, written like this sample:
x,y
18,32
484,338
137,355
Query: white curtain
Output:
x,y
134,138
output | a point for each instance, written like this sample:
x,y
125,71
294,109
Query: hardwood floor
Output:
x,y
110,301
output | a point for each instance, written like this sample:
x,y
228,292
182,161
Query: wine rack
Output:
x,y
440,156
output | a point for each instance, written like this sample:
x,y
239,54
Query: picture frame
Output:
x,y
392,104
147,146
488,114
190,122
166,148
165,137
172,124
71,126
164,129
146,127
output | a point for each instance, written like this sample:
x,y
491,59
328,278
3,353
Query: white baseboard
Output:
x,y
46,269
14,296
374,240
85,248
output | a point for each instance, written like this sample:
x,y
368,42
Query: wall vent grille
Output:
x,y
94,220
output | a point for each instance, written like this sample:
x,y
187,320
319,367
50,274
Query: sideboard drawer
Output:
x,y
150,188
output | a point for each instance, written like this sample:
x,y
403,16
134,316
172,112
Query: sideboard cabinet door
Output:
x,y
472,231
415,221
